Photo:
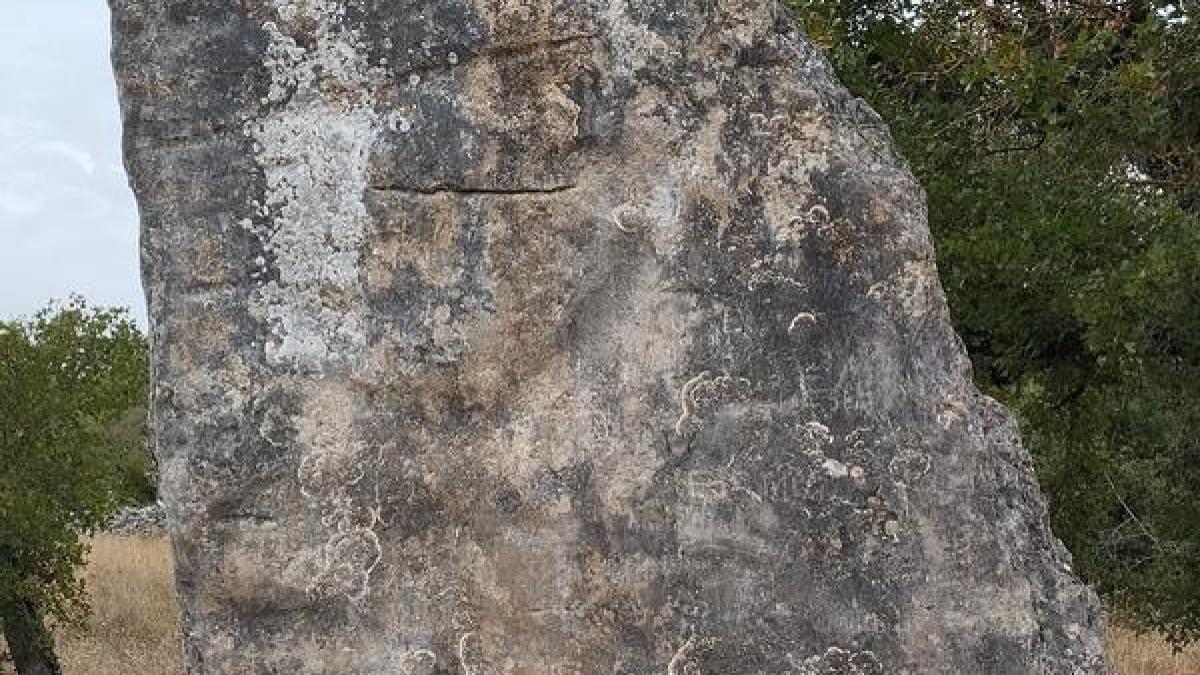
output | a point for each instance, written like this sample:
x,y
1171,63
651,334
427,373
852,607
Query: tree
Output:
x,y
73,384
1059,143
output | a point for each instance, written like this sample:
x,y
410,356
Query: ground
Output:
x,y
134,627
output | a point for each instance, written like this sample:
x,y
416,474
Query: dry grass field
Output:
x,y
134,627
1142,655
133,631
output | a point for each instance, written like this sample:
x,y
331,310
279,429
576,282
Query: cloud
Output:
x,y
14,204
21,127
68,222
16,59
81,157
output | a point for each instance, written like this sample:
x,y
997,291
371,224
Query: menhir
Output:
x,y
575,336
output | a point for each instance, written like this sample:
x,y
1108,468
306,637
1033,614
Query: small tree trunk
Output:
x,y
29,643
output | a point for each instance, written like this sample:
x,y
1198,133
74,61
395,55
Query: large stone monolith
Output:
x,y
547,337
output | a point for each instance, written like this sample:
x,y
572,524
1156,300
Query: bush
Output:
x,y
73,384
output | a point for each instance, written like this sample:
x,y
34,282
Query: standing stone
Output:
x,y
562,336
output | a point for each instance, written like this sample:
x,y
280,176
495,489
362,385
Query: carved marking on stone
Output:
x,y
762,276
659,209
764,125
618,216
462,653
677,660
816,436
816,219
687,403
909,465
839,661
802,322
818,216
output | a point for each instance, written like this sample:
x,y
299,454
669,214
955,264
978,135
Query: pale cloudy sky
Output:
x,y
68,223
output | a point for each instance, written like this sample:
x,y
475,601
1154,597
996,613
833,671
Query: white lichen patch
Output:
x,y
314,160
313,148
815,437
834,468
334,464
412,662
838,660
636,45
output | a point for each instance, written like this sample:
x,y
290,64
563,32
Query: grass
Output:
x,y
134,625
1134,654
134,630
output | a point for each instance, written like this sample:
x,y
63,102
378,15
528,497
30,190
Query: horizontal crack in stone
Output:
x,y
473,189
519,48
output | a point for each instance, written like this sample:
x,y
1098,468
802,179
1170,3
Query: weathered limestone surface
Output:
x,y
562,336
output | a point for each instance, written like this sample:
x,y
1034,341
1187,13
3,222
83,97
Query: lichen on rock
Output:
x,y
589,336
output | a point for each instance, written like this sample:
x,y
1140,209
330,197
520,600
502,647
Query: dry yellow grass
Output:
x,y
1134,654
135,623
135,627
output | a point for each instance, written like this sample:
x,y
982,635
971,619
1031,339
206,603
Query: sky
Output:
x,y
68,222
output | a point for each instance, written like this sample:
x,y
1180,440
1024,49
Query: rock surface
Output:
x,y
138,521
561,336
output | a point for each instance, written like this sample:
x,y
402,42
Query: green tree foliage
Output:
x,y
73,384
1059,143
